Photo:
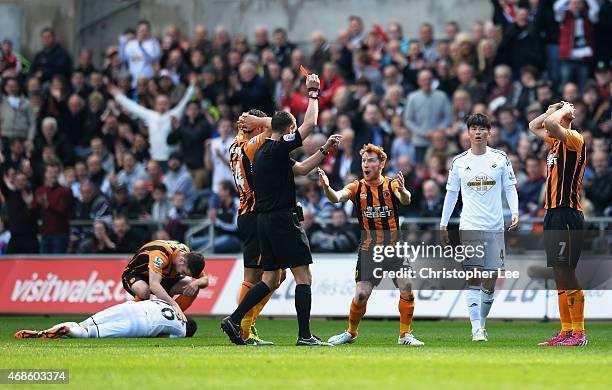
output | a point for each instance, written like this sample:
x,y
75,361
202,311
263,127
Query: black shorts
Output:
x,y
370,270
282,240
128,279
247,231
563,236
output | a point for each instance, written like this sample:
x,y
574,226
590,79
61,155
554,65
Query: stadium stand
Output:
x,y
408,94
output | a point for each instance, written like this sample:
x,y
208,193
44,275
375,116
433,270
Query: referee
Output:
x,y
283,242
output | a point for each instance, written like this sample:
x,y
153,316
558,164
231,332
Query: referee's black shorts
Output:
x,y
247,231
282,240
563,236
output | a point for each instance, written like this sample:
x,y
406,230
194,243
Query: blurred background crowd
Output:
x,y
99,158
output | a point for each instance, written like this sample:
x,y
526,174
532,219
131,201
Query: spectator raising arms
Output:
x,y
158,121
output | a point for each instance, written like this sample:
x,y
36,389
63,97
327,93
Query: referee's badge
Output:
x,y
289,137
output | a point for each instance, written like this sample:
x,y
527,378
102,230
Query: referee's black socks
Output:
x,y
252,298
303,300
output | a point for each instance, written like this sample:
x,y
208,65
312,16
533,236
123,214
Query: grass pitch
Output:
x,y
449,359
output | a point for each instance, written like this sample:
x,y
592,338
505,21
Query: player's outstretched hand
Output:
x,y
179,312
323,180
400,180
312,81
514,223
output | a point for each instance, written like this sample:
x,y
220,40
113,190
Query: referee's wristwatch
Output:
x,y
325,153
313,93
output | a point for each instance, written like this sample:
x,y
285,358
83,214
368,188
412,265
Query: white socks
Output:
x,y
473,304
486,301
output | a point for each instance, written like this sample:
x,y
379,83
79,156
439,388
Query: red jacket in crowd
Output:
x,y
55,210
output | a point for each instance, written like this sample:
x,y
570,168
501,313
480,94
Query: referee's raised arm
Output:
x,y
312,112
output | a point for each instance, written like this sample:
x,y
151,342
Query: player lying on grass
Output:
x,y
564,220
151,318
377,200
166,269
482,174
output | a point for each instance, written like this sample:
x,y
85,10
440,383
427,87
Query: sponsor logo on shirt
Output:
x,y
289,137
551,160
481,183
377,212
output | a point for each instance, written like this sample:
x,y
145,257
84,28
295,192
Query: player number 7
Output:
x,y
562,250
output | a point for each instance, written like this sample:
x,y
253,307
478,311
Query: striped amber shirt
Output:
x,y
157,256
565,166
378,209
242,152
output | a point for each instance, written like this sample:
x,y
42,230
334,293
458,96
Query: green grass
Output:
x,y
449,359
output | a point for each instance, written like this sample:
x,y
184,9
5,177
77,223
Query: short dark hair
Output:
x,y
478,120
195,262
228,185
339,210
281,121
53,163
193,101
145,22
257,113
191,327
160,187
47,30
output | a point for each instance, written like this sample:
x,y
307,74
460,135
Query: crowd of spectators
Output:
x,y
135,146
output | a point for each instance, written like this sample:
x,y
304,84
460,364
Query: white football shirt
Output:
x,y
162,320
151,318
481,180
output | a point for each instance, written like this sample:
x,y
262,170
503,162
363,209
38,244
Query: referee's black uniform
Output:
x,y
282,240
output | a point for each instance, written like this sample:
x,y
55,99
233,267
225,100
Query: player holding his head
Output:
x,y
241,155
150,318
564,221
481,174
282,240
377,200
164,269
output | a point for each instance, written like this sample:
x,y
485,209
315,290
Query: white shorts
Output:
x,y
492,251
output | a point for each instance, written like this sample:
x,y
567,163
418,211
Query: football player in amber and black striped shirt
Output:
x,y
377,199
164,269
241,155
564,221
